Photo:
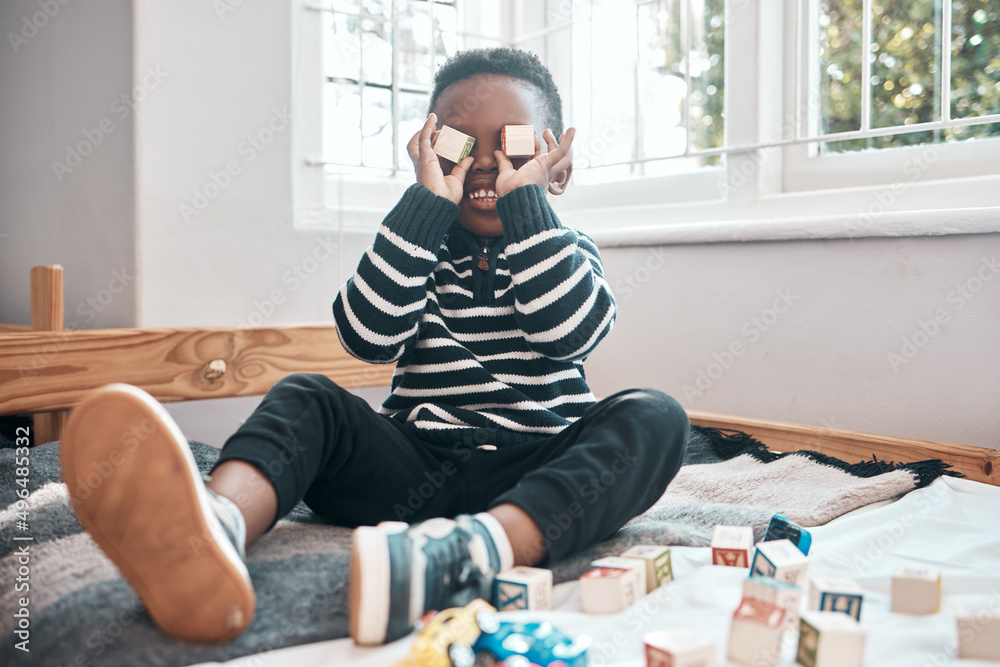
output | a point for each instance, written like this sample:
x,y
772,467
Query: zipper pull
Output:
x,y
484,260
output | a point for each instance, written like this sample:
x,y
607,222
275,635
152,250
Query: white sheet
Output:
x,y
953,524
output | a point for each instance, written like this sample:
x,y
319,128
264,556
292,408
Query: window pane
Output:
x,y
341,123
415,35
975,65
612,132
376,128
840,25
376,51
708,75
412,114
379,8
445,29
905,68
341,51
661,80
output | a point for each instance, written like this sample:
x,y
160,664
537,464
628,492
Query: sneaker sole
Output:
x,y
137,491
368,588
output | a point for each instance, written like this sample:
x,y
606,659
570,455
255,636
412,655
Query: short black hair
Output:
x,y
505,61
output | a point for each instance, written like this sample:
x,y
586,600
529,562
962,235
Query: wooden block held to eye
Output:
x,y
453,145
518,140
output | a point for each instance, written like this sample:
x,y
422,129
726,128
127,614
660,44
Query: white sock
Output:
x,y
499,536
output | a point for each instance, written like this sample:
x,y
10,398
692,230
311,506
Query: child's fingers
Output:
x,y
503,162
461,169
550,140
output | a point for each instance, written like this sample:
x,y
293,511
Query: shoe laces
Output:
x,y
461,581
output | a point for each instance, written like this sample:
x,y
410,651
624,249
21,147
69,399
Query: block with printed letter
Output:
x,y
636,566
781,560
830,639
657,561
781,528
780,593
731,545
834,594
916,590
756,632
518,140
605,590
523,588
978,631
678,647
453,145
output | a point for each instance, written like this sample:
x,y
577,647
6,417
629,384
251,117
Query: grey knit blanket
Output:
x,y
81,612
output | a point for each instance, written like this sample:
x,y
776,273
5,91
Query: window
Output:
x,y
930,63
709,110
379,59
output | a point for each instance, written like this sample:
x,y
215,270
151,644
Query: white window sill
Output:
x,y
891,224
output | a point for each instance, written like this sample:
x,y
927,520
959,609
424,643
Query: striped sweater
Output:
x,y
486,333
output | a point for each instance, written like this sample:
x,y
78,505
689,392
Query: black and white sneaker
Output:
x,y
399,572
137,491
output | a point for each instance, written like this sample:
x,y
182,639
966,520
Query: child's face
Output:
x,y
480,107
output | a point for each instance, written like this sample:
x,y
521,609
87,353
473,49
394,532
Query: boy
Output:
x,y
488,307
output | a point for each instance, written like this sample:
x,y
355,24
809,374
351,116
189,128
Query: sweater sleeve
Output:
x,y
561,300
378,310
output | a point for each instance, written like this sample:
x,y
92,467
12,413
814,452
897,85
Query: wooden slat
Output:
x,y
50,371
10,328
47,314
976,463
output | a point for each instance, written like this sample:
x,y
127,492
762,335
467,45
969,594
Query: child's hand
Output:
x,y
428,168
540,169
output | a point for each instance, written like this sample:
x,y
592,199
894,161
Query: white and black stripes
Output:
x,y
497,348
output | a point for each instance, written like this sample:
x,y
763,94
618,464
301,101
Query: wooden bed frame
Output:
x,y
45,370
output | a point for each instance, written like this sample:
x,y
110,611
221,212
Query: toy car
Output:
x,y
540,643
447,636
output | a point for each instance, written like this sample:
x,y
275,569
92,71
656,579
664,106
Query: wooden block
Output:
x,y
605,590
678,647
781,528
518,140
916,590
731,545
637,566
834,594
781,560
453,145
523,588
756,632
657,561
978,631
830,639
779,593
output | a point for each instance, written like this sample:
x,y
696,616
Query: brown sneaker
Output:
x,y
137,491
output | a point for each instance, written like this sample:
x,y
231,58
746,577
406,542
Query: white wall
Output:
x,y
62,82
826,359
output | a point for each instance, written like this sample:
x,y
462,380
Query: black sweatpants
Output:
x,y
353,466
